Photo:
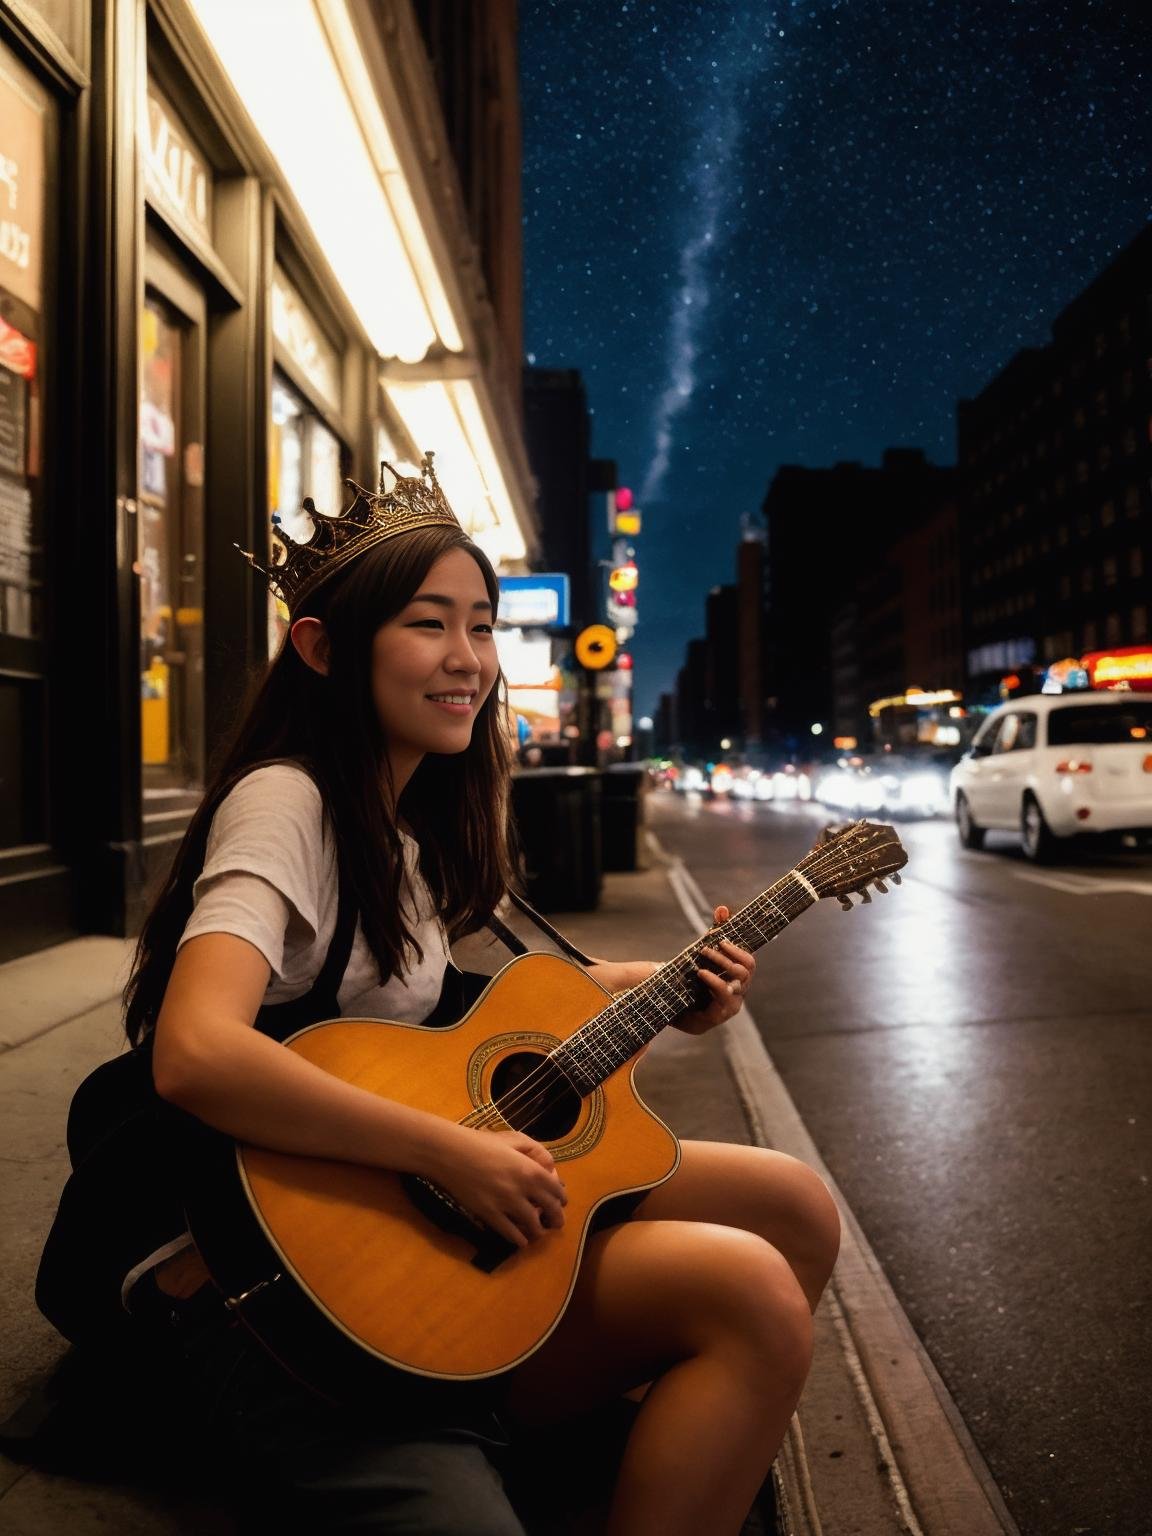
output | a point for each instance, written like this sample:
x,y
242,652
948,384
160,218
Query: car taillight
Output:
x,y
1074,765
1148,763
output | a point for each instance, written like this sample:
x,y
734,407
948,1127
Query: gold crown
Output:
x,y
413,502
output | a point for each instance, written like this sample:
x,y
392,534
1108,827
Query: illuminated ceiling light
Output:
x,y
301,109
362,93
444,415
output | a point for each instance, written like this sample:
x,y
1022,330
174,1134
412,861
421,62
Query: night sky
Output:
x,y
773,233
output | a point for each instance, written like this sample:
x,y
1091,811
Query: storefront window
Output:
x,y
21,363
305,459
169,560
25,122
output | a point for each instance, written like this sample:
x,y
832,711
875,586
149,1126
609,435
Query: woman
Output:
x,y
374,764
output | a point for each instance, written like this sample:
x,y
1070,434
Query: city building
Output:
x,y
1055,459
842,565
558,430
239,261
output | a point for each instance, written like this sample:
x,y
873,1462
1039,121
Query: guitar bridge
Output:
x,y
450,1216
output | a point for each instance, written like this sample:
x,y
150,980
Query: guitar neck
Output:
x,y
636,1017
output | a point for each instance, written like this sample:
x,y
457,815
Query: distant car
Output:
x,y
691,780
1057,766
910,784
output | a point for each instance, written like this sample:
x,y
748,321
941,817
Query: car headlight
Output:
x,y
924,789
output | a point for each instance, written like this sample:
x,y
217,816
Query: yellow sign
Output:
x,y
625,578
596,647
1121,667
915,698
627,523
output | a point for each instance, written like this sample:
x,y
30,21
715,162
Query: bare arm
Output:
x,y
209,1061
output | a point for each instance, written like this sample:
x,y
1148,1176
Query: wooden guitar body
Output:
x,y
389,1277
349,1274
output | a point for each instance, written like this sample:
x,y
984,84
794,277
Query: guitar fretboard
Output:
x,y
636,1017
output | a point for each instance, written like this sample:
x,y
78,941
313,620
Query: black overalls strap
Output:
x,y
518,947
321,1001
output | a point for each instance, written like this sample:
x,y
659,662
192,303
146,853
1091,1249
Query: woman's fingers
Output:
x,y
731,963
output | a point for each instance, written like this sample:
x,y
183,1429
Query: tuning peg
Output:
x,y
895,878
846,903
865,897
881,887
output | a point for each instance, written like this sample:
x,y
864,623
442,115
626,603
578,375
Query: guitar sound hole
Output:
x,y
535,1097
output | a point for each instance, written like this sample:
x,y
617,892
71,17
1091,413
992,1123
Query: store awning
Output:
x,y
312,99
455,417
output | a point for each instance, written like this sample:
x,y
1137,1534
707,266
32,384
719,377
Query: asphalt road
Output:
x,y
972,1055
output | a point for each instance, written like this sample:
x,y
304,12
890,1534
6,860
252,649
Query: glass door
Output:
x,y
170,556
305,458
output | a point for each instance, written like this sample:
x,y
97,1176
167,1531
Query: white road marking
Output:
x,y
1086,885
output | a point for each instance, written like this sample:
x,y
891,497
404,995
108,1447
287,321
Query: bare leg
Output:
x,y
716,1320
768,1193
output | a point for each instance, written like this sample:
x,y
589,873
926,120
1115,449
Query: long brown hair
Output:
x,y
456,805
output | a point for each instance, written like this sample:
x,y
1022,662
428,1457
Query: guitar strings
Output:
x,y
530,1087
595,1046
625,1009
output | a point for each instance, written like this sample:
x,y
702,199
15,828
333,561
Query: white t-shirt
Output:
x,y
269,877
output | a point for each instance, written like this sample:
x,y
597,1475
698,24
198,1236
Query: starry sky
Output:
x,y
798,231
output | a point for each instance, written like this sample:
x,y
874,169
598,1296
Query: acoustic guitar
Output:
x,y
343,1270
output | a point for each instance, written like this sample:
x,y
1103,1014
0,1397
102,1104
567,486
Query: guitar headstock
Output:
x,y
848,858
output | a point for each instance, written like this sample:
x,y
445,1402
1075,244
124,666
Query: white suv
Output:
x,y
1056,766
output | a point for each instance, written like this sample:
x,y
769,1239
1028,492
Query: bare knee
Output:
x,y
800,1216
818,1216
753,1306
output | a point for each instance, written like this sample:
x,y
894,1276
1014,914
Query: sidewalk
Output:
x,y
877,1447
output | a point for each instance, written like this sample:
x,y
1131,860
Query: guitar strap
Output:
x,y
517,945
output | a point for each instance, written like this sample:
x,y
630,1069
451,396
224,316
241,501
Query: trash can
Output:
x,y
622,816
557,815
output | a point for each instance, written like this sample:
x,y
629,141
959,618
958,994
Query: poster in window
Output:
x,y
16,551
13,422
21,191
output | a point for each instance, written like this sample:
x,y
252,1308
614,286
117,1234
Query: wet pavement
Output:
x,y
971,1056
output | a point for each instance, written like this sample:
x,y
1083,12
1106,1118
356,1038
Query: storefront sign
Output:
x,y
304,341
1129,666
596,647
534,602
176,177
21,192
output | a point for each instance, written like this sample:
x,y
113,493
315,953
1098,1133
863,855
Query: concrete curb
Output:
x,y
938,1480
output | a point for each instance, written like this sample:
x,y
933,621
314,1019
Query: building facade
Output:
x,y
231,274
1056,488
835,601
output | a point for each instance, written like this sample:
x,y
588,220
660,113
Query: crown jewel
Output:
x,y
414,501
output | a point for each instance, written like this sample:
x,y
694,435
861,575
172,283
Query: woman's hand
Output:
x,y
505,1180
728,983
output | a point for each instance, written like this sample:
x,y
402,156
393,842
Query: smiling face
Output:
x,y
434,664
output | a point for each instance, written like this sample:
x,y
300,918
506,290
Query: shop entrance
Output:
x,y
170,555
